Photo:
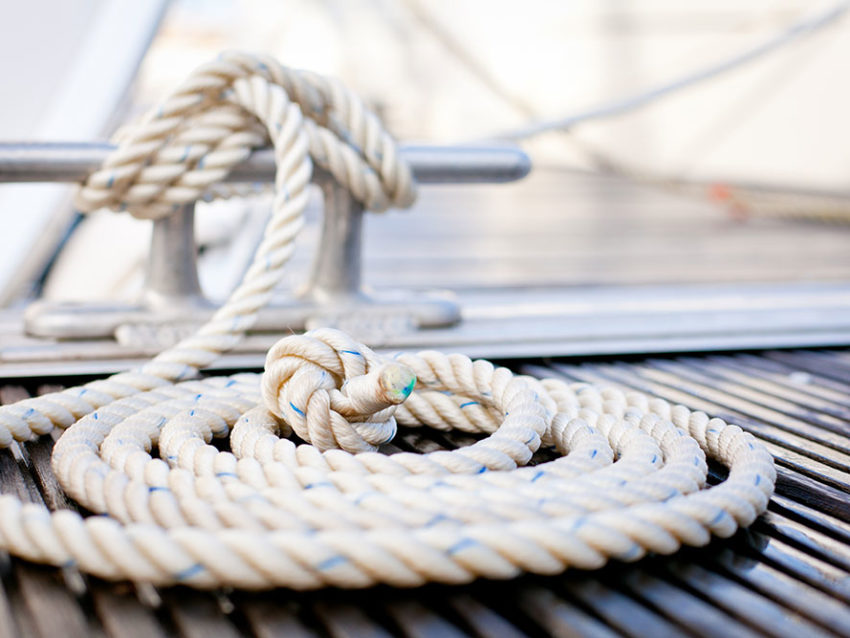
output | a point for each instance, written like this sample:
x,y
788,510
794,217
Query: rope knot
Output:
x,y
181,150
333,391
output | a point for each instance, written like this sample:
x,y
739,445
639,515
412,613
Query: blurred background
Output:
x,y
447,72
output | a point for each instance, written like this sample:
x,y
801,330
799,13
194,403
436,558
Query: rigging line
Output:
x,y
797,31
487,78
744,108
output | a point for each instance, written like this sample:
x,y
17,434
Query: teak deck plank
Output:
x,y
787,576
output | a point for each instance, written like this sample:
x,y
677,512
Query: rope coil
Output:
x,y
333,510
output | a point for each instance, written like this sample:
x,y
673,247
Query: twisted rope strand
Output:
x,y
631,477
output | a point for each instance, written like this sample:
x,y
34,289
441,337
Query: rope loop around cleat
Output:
x,y
304,498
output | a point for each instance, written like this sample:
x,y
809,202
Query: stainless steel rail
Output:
x,y
73,161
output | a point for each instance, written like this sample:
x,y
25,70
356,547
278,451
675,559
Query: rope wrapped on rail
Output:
x,y
304,499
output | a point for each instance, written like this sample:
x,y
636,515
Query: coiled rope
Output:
x,y
333,510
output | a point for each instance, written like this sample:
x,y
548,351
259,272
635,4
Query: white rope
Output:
x,y
333,511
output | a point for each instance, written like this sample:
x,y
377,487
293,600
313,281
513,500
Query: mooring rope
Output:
x,y
332,510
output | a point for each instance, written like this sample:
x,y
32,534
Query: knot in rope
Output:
x,y
230,106
333,391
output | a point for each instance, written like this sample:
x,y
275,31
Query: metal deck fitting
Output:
x,y
334,292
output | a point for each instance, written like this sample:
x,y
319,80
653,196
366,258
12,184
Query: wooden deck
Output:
x,y
552,244
789,575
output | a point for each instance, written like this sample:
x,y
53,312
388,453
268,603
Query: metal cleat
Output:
x,y
172,303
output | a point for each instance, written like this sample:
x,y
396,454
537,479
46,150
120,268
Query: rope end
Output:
x,y
397,381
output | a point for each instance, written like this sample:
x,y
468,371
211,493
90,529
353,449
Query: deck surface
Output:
x,y
789,575
557,264
557,228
